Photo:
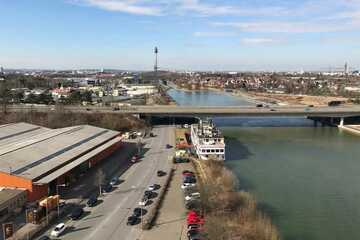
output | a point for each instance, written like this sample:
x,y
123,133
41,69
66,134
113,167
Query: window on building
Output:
x,y
4,212
212,150
221,150
217,150
207,150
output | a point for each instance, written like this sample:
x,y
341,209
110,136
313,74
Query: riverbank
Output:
x,y
230,214
354,129
289,99
272,98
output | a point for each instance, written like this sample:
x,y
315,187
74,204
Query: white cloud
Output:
x,y
183,7
138,7
214,34
257,40
311,15
288,26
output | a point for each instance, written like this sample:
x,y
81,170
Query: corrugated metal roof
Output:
x,y
76,162
36,156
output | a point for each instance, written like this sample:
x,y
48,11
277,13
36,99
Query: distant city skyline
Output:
x,y
197,35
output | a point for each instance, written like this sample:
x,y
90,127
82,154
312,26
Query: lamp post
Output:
x,y
57,193
139,145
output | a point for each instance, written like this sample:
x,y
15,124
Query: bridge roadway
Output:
x,y
191,111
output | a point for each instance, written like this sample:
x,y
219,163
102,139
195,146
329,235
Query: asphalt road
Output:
x,y
248,111
107,220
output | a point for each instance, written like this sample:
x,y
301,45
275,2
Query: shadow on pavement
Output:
x,y
89,218
74,229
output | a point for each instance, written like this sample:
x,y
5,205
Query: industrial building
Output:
x,y
11,202
37,159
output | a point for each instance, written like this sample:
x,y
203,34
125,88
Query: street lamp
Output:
x,y
139,145
57,193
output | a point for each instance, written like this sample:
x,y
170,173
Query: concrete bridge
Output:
x,y
210,111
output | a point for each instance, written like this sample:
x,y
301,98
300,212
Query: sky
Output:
x,y
221,35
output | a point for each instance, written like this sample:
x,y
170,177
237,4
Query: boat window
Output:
x,y
217,150
208,150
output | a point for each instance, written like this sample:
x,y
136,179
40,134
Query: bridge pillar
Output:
x,y
342,122
315,123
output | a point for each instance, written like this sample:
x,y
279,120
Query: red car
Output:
x,y
194,218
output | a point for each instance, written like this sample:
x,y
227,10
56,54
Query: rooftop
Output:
x,y
35,152
7,194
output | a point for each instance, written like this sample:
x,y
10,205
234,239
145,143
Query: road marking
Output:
x,y
108,218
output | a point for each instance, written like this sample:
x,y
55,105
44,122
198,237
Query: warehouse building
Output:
x,y
11,202
37,159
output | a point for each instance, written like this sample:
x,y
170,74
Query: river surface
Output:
x,y
306,178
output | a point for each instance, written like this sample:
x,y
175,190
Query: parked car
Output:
x,y
116,109
138,212
177,159
76,213
92,201
195,236
58,230
148,193
132,220
187,173
192,196
144,201
135,158
189,179
154,187
44,238
259,105
106,188
193,204
152,134
193,226
192,233
160,173
168,146
114,181
188,185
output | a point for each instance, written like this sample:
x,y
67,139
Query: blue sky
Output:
x,y
190,34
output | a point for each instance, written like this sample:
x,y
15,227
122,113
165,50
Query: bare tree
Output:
x,y
100,178
4,95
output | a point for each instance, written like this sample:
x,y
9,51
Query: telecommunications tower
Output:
x,y
156,51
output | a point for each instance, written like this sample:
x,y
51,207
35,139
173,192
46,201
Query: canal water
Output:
x,y
306,178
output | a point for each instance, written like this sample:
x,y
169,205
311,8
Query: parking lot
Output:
x,y
171,221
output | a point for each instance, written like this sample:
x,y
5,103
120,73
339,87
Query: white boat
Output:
x,y
208,141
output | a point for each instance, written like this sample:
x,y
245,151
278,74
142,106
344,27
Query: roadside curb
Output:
x,y
153,212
